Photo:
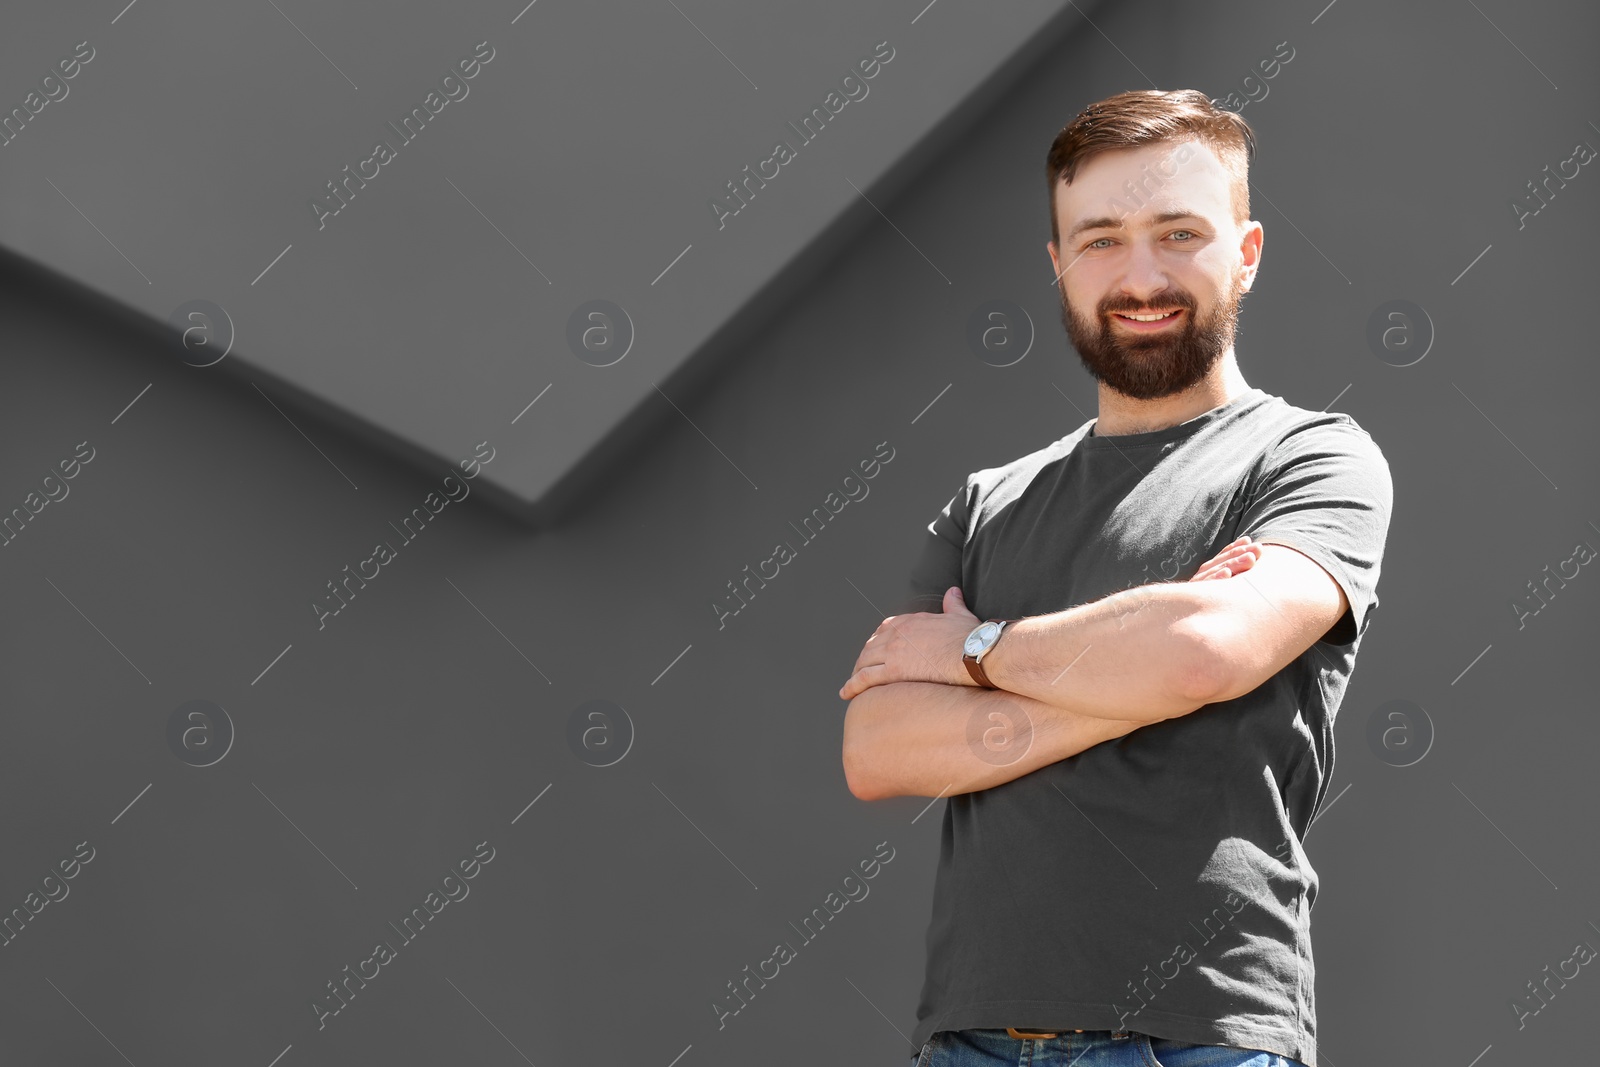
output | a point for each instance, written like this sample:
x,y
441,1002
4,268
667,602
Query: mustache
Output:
x,y
1168,299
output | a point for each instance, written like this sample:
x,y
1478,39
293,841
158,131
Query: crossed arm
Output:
x,y
918,726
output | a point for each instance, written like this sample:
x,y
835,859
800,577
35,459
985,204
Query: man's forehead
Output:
x,y
1147,186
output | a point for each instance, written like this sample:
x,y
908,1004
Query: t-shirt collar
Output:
x,y
1172,433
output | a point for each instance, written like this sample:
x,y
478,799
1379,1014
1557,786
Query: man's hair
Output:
x,y
1151,116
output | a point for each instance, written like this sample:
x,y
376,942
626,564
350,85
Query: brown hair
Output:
x,y
1150,116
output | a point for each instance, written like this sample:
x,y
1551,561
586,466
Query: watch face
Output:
x,y
981,638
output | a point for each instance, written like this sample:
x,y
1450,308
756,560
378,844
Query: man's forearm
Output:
x,y
1131,655
929,739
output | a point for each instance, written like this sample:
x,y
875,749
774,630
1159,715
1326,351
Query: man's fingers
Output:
x,y
1229,567
1235,549
870,657
862,680
1232,560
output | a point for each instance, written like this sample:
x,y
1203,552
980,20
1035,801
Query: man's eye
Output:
x,y
1091,244
1191,233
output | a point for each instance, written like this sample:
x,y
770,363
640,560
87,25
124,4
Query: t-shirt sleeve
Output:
x,y
1327,493
937,562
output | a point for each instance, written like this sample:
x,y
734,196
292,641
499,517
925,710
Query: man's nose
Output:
x,y
1145,275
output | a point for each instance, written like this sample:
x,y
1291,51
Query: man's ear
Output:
x,y
1250,253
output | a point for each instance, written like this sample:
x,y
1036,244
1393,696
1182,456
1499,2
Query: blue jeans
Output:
x,y
1092,1048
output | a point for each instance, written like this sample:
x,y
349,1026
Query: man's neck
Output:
x,y
1120,414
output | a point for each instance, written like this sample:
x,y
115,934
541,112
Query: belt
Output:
x,y
1018,1033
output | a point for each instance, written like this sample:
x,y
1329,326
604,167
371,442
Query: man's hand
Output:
x,y
921,647
927,646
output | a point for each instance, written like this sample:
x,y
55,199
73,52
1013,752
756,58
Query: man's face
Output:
x,y
1170,247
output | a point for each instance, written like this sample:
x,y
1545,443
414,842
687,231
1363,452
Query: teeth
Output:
x,y
1149,318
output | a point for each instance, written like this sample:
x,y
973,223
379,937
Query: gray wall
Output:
x,y
357,188
431,712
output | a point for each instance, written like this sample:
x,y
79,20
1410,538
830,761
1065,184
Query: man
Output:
x,y
1130,766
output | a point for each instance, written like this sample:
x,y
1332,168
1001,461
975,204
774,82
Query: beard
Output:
x,y
1150,366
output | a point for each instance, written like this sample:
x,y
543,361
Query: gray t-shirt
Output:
x,y
1154,883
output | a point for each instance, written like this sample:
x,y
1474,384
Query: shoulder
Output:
x,y
1320,452
1291,432
989,490
1012,477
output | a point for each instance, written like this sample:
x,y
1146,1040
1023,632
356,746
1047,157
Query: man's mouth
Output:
x,y
1148,320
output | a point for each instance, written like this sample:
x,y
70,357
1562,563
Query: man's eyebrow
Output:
x,y
1106,222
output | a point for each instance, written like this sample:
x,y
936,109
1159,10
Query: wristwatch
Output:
x,y
978,644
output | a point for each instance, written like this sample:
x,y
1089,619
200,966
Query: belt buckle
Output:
x,y
1014,1032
